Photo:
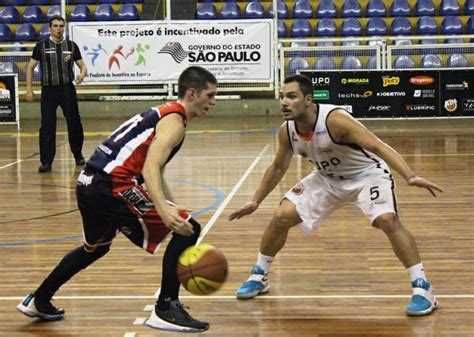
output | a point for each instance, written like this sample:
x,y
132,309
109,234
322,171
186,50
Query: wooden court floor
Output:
x,y
343,280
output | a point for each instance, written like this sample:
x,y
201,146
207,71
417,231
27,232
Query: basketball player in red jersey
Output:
x,y
111,198
351,166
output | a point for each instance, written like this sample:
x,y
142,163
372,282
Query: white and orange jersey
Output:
x,y
122,155
335,160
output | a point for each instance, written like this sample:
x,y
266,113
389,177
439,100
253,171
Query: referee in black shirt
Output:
x,y
57,55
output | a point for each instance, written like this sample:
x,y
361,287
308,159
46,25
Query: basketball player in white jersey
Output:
x,y
351,167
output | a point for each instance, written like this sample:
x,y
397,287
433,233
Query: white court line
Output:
x,y
11,164
232,297
139,321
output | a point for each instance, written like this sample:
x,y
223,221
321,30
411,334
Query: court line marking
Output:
x,y
11,164
232,297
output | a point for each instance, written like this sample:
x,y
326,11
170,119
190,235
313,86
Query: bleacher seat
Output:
x,y
230,11
431,61
299,43
325,43
400,8
454,40
32,14
326,9
16,2
351,62
325,63
457,61
376,27
54,10
80,13
104,12
254,10
128,12
470,25
133,1
401,26
376,8
282,29
5,33
301,28
372,63
25,32
451,25
403,62
10,15
86,2
297,63
469,7
425,8
449,7
40,2
350,42
302,10
326,27
44,31
426,25
402,42
351,9
206,11
282,10
8,68
351,27
109,1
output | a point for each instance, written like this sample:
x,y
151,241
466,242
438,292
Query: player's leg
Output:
x,y
307,204
136,213
97,239
377,200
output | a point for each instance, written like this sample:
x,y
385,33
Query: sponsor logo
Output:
x,y
354,81
84,179
451,104
464,85
390,80
297,189
348,108
421,80
321,95
391,94
320,81
468,105
424,93
380,107
419,107
365,94
4,93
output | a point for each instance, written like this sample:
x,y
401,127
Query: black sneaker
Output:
x,y
31,307
44,168
80,161
175,318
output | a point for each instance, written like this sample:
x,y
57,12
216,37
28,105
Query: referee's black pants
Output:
x,y
65,97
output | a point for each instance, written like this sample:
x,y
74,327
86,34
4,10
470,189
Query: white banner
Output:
x,y
145,52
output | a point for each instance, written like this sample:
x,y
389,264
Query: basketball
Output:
x,y
202,269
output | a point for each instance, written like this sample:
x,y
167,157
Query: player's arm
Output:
x,y
347,130
29,79
273,174
169,133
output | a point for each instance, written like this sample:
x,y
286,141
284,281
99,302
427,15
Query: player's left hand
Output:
x,y
423,183
79,79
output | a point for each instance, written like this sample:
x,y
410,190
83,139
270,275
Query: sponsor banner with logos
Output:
x,y
380,93
397,93
8,98
145,52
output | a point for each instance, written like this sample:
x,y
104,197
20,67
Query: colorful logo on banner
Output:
x,y
175,50
4,93
117,56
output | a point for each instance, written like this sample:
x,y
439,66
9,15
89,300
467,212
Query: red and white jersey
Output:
x,y
335,160
123,153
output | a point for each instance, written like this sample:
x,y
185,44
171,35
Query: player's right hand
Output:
x,y
29,96
246,209
172,219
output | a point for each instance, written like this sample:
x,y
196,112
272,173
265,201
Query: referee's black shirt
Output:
x,y
56,61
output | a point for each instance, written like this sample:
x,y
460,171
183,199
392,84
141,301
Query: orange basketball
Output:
x,y
202,269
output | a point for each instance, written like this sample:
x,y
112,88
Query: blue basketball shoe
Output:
x,y
423,301
257,283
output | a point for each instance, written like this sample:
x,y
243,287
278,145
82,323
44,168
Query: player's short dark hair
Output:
x,y
194,77
56,17
306,86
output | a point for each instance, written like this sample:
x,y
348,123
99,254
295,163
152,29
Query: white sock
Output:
x,y
264,262
416,271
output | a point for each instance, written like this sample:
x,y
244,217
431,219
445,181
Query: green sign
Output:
x,y
320,95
